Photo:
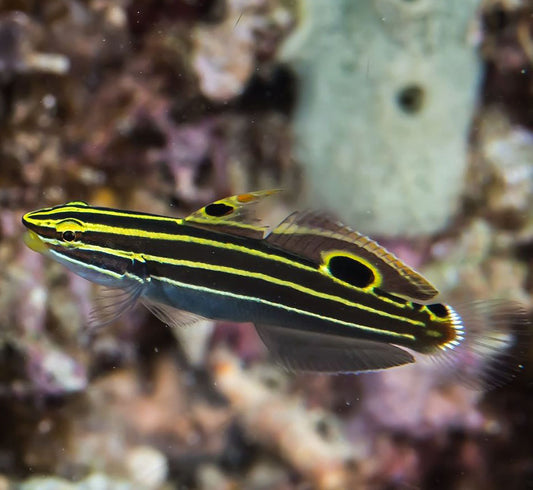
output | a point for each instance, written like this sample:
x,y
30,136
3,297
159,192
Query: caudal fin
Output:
x,y
494,346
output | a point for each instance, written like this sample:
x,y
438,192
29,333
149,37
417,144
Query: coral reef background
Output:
x,y
162,106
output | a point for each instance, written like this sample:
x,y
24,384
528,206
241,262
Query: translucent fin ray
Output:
x,y
171,316
111,303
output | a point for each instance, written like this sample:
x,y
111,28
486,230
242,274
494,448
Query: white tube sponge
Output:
x,y
387,90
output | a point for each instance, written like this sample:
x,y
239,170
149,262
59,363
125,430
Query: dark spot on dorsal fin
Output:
x,y
438,309
350,270
318,236
218,210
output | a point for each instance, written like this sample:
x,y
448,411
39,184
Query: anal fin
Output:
x,y
299,350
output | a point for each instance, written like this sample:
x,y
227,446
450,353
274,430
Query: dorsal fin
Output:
x,y
318,237
235,215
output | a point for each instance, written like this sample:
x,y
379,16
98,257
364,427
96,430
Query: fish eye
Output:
x,y
68,236
69,230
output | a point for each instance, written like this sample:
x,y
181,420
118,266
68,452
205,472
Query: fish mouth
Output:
x,y
35,242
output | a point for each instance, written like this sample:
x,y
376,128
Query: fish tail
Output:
x,y
490,343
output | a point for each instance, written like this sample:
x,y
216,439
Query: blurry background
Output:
x,y
410,119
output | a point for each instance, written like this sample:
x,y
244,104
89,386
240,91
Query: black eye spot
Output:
x,y
218,209
69,236
438,309
351,271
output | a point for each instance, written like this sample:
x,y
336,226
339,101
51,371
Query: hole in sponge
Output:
x,y
410,99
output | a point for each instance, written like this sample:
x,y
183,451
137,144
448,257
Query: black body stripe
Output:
x,y
280,294
202,253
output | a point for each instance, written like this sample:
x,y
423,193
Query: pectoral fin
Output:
x,y
299,350
111,303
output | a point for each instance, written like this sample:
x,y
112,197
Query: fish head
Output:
x,y
55,228
59,232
